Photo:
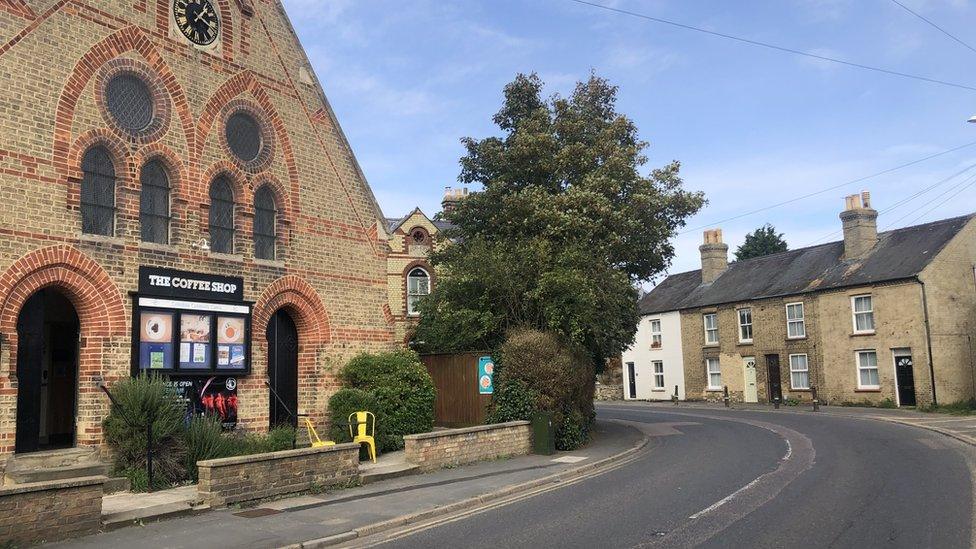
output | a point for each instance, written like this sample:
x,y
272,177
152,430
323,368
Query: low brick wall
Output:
x,y
50,511
458,446
261,476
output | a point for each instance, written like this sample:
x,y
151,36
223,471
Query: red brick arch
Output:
x,y
300,299
91,291
176,169
124,40
246,83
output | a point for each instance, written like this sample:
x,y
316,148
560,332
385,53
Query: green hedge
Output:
x,y
396,387
538,371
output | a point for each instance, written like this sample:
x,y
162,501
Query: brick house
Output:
x,y
176,195
870,318
409,274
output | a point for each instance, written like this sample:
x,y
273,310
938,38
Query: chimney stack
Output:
x,y
714,256
452,197
860,222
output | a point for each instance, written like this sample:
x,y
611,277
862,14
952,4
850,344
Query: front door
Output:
x,y
47,372
773,375
283,369
905,375
632,378
749,376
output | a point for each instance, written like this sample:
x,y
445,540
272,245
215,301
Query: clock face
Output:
x,y
197,20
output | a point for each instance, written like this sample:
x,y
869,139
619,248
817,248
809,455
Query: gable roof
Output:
x,y
899,254
394,223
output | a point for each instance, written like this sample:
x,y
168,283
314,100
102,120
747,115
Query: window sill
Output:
x,y
712,345
156,247
878,390
101,239
236,258
745,343
792,390
802,338
713,390
862,334
277,263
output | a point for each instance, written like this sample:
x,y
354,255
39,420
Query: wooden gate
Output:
x,y
455,376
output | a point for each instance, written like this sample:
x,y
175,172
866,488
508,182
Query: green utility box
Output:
x,y
543,436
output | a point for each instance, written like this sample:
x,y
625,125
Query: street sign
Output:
x,y
486,376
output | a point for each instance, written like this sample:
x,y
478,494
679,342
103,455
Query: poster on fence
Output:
x,y
486,376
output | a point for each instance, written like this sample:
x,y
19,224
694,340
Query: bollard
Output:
x,y
816,402
776,403
674,397
726,397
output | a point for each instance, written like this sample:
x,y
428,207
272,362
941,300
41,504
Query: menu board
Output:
x,y
231,343
195,341
156,340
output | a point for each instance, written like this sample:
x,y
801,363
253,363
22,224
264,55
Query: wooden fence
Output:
x,y
455,376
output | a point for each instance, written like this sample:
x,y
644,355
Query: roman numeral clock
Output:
x,y
197,21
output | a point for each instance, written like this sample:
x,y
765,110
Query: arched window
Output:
x,y
154,203
221,216
98,193
265,224
418,286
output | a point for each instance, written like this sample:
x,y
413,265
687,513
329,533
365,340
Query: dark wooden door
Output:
x,y
904,371
30,356
632,378
773,377
283,369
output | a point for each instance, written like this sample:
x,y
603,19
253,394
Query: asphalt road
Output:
x,y
746,479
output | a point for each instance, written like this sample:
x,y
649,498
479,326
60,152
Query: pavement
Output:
x,y
960,427
349,513
757,478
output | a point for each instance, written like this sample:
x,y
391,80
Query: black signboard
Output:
x,y
186,285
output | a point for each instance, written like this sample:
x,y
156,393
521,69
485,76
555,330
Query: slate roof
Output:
x,y
899,254
393,223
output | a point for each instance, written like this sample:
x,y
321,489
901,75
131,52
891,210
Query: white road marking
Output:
x,y
728,498
570,459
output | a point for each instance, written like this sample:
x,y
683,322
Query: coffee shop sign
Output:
x,y
160,281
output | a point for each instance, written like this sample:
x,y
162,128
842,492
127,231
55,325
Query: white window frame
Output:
x,y
743,325
658,376
805,370
855,313
801,321
657,340
876,367
709,373
411,306
708,330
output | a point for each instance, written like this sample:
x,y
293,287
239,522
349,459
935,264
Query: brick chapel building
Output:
x,y
176,196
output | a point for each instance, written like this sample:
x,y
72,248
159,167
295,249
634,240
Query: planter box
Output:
x,y
451,447
261,476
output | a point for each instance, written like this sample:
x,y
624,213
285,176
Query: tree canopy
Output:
x,y
763,241
563,229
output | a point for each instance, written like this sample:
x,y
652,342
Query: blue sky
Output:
x,y
751,127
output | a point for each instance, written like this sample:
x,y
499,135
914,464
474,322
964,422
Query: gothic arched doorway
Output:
x,y
283,369
47,372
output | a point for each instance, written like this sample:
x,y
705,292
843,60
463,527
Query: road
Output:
x,y
711,478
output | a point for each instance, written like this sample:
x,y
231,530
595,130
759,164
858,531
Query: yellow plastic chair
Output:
x,y
313,436
362,422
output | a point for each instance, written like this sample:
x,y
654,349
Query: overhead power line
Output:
x,y
828,189
933,24
774,46
960,186
940,204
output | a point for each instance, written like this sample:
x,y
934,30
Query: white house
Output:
x,y
653,368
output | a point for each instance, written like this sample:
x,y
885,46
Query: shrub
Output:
x,y
513,401
887,403
560,376
401,390
136,400
204,439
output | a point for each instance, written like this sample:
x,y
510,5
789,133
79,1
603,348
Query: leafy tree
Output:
x,y
564,227
763,241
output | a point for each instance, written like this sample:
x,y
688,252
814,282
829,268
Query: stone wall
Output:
x,y
609,392
50,511
252,478
450,447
